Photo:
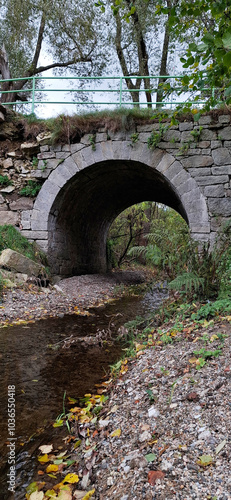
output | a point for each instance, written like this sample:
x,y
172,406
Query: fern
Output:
x,y
189,281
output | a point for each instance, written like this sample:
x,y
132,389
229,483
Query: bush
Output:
x,y
31,189
11,238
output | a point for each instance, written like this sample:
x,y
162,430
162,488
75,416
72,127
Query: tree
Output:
x,y
208,57
69,30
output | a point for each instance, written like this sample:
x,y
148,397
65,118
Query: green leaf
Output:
x,y
227,59
227,40
150,457
205,460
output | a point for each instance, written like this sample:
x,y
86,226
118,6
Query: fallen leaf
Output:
x,y
220,446
46,448
205,460
51,494
116,433
52,468
150,457
71,478
37,495
153,475
43,458
89,494
192,360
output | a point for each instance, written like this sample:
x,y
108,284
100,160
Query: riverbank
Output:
x,y
163,433
73,295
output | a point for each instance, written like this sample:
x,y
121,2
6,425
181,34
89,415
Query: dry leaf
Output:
x,y
46,448
116,433
220,446
37,495
153,475
89,494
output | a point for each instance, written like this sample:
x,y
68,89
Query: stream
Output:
x,y
48,359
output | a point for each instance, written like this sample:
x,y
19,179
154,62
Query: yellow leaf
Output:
x,y
205,460
52,468
43,458
89,494
71,478
50,494
192,360
214,337
116,433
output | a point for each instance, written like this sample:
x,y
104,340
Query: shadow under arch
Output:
x,y
88,203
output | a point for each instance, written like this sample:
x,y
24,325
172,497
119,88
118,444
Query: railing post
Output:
x,y
33,93
121,83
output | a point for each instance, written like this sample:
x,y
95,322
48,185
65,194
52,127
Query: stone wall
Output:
x,y
197,159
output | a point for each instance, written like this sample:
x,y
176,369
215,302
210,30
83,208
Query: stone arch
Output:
x,y
82,196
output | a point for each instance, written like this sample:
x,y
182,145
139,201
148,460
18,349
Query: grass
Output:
x,y
11,238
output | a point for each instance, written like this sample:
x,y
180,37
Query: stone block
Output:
x,y
43,244
209,180
101,137
189,191
22,203
165,163
226,169
216,191
225,134
186,136
173,170
199,171
62,154
197,161
39,221
45,148
147,128
224,119
172,135
221,156
46,155
71,166
208,135
121,150
9,217
205,120
144,136
180,178
204,144
185,126
216,144
220,206
33,235
60,176
76,147
200,228
66,147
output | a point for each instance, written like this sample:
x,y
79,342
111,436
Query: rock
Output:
x,y
8,163
7,189
145,436
22,203
30,148
193,396
44,138
16,262
9,218
153,412
153,475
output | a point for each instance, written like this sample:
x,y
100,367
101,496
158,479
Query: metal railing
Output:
x,y
172,90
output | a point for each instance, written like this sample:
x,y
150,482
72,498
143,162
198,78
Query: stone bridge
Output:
x,y
86,185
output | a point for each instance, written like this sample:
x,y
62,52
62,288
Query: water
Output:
x,y
34,359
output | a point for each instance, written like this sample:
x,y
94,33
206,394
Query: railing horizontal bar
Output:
x,y
91,78
168,103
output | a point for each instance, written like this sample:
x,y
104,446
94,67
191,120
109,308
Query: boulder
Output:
x,y
17,262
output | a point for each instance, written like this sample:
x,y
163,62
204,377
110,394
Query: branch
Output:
x,y
60,65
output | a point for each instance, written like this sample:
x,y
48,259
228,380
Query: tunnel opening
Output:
x,y
89,202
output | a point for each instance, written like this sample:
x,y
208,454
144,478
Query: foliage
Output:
x,y
5,181
208,56
10,237
127,229
31,189
156,137
166,242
